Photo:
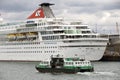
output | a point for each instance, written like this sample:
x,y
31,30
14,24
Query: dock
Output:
x,y
112,52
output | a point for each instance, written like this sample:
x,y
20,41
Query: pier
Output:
x,y
112,52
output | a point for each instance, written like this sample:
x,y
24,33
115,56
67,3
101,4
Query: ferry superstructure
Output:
x,y
43,35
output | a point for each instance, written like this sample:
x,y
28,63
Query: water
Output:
x,y
27,71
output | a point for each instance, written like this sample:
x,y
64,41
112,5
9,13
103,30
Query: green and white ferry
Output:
x,y
59,64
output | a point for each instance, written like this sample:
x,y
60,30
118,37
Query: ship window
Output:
x,y
93,36
64,27
84,32
31,25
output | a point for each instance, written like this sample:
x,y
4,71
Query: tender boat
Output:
x,y
59,64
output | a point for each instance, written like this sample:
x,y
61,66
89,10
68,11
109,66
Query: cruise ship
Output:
x,y
43,35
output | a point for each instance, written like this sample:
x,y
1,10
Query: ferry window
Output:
x,y
47,62
66,63
44,62
75,62
68,27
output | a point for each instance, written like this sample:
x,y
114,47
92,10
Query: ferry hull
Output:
x,y
62,70
57,70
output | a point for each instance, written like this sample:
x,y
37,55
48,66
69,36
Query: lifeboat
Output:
x,y
32,34
20,35
11,36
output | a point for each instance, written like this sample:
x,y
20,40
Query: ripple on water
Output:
x,y
98,73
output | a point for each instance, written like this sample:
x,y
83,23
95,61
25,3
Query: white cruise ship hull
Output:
x,y
36,51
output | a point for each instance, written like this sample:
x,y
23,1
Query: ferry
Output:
x,y
59,64
43,35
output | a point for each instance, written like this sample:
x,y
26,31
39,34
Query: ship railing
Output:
x,y
28,29
29,36
21,36
104,39
51,21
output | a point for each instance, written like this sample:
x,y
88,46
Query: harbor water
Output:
x,y
27,71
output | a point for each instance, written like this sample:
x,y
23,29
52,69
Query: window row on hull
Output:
x,y
29,52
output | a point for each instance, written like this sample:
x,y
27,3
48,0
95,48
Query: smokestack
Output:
x,y
47,10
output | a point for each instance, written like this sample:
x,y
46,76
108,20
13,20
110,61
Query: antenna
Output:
x,y
117,29
96,28
1,19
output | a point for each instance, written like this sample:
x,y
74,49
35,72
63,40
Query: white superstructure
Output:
x,y
39,38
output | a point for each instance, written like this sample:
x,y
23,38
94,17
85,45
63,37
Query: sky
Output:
x,y
100,15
